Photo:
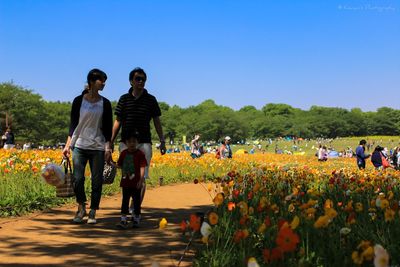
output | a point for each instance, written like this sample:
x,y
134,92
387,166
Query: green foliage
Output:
x,y
39,121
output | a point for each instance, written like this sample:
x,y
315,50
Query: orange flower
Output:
x,y
287,240
218,199
213,218
231,205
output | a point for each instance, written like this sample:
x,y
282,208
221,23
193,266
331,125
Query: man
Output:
x,y
360,155
134,112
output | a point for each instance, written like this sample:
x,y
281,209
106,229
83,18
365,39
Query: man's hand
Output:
x,y
163,149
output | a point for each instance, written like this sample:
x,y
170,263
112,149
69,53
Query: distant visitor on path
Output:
x,y
89,138
195,149
322,153
225,151
133,164
134,111
360,155
9,141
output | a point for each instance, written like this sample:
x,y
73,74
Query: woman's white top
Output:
x,y
88,134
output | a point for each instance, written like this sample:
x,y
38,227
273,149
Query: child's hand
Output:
x,y
140,183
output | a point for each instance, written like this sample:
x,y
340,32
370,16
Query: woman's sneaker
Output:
x,y
79,216
92,217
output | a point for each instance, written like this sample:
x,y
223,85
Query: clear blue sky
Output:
x,y
302,53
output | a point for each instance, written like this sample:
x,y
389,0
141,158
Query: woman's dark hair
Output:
x,y
96,74
137,70
363,142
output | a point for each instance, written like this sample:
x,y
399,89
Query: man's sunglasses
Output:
x,y
140,79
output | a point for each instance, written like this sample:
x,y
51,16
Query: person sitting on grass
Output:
x,y
133,163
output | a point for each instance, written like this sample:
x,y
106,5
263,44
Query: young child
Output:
x,y
133,163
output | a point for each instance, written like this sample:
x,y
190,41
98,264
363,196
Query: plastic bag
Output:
x,y
53,174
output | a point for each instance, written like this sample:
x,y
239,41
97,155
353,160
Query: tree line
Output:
x,y
36,120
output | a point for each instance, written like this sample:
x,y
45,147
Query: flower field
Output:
x,y
269,210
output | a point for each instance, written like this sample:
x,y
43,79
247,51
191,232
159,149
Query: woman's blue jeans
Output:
x,y
80,157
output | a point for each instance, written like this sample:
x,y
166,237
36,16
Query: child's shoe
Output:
x,y
136,220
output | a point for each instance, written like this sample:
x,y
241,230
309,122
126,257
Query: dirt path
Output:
x,y
50,239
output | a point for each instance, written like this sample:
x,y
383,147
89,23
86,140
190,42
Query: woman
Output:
x,y
378,159
89,137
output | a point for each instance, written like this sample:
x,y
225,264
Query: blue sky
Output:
x,y
302,53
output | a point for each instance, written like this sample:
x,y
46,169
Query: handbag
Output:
x,y
109,172
67,188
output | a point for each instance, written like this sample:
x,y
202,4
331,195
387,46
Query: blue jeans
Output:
x,y
80,157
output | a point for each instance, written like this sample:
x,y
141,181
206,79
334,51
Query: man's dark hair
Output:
x,y
363,142
137,70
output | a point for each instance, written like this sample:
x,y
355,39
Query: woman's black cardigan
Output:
x,y
107,117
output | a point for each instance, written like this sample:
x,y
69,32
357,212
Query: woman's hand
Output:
x,y
66,152
108,155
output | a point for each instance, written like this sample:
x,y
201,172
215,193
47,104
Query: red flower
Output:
x,y
194,222
266,255
183,226
276,254
287,240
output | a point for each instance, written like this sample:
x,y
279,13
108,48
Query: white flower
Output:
x,y
205,229
345,231
381,258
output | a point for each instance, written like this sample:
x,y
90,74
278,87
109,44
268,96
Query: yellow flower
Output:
x,y
389,215
328,204
357,258
204,239
384,203
163,223
218,199
244,208
368,253
359,207
251,210
295,222
322,221
331,213
291,208
262,228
